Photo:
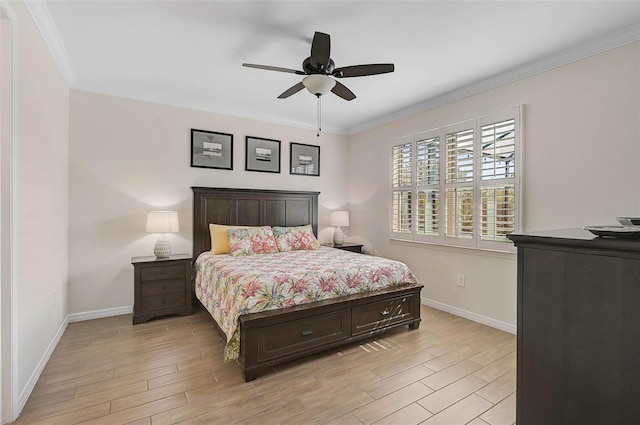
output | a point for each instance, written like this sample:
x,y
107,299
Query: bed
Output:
x,y
275,336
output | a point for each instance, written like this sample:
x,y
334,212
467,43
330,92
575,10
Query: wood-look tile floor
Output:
x,y
170,371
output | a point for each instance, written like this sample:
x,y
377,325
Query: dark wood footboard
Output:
x,y
278,336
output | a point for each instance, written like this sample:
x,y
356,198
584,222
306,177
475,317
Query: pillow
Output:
x,y
252,240
220,238
295,238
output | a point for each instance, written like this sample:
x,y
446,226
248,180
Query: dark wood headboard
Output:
x,y
249,207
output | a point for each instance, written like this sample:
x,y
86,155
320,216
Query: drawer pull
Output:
x,y
164,286
164,301
306,333
385,312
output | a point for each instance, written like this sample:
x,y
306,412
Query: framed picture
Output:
x,y
304,160
262,155
210,149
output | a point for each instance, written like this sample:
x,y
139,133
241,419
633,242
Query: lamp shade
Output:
x,y
162,222
339,218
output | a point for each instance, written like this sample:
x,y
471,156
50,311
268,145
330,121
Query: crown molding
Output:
x,y
41,16
555,60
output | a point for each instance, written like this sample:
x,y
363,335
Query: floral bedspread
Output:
x,y
231,286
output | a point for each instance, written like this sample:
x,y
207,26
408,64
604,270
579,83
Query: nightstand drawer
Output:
x,y
162,287
162,272
157,302
378,315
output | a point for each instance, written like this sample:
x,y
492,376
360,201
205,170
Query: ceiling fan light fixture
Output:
x,y
320,69
318,84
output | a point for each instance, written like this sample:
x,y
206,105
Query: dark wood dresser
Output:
x,y
162,286
578,329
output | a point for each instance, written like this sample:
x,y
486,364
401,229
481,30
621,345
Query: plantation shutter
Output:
x,y
428,182
498,152
459,202
402,184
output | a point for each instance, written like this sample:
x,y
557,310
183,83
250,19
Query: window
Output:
x,y
473,168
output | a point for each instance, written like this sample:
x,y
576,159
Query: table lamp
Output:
x,y
339,218
162,222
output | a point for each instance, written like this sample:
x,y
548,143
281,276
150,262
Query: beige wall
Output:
x,y
40,199
582,156
129,157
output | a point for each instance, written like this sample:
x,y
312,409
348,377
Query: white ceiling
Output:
x,y
189,53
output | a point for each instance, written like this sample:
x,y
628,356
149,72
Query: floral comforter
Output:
x,y
231,286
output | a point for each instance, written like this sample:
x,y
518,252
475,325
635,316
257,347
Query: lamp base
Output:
x,y
162,249
338,236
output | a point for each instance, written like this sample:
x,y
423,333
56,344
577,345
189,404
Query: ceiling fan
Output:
x,y
320,72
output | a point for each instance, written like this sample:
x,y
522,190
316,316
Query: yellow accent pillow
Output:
x,y
220,238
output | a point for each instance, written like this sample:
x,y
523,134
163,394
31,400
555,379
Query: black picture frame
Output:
x,y
262,155
304,160
211,149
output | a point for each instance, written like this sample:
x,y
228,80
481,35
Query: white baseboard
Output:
x,y
99,314
503,326
33,379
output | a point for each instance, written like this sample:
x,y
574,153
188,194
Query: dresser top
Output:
x,y
576,237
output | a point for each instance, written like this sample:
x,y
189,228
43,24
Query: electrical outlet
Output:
x,y
461,280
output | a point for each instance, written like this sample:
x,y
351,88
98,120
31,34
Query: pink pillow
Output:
x,y
295,238
256,240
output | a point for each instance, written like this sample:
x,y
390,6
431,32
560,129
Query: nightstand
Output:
x,y
161,286
348,246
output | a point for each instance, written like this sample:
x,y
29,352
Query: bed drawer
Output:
x,y
162,287
156,302
290,337
381,314
162,272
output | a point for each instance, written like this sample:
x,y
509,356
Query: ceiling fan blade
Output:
x,y
342,91
273,68
293,90
362,70
321,49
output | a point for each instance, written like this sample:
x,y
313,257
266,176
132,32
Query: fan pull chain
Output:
x,y
319,116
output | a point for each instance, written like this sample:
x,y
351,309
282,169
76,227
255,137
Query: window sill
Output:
x,y
510,255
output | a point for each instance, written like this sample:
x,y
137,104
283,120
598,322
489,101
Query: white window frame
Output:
x,y
476,241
